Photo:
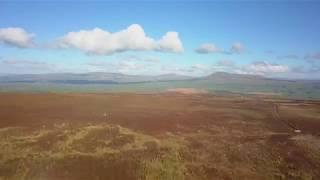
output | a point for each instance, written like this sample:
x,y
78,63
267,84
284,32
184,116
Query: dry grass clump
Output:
x,y
100,151
106,151
311,145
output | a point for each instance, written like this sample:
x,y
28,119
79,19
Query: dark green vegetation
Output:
x,y
106,82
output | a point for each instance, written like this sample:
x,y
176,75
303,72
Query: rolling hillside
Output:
x,y
114,82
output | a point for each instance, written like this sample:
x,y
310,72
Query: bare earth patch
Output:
x,y
187,91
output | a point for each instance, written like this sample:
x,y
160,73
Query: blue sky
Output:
x,y
276,39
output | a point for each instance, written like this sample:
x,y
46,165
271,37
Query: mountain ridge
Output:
x,y
110,77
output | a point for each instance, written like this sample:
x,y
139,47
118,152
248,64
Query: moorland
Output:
x,y
168,135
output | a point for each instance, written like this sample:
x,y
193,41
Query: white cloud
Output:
x,y
264,68
101,42
314,56
225,63
17,37
237,48
147,59
22,62
193,70
207,48
127,64
20,66
170,42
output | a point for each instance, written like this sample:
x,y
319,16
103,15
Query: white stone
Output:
x,y
297,131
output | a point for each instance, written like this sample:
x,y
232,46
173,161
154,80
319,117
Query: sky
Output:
x,y
270,38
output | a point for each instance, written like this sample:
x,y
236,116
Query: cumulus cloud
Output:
x,y
264,68
170,42
237,48
255,68
207,48
101,42
17,37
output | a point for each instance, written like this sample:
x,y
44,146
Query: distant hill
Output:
x,y
115,78
89,78
116,82
223,77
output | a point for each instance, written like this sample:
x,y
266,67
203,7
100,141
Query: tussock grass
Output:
x,y
106,151
103,151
